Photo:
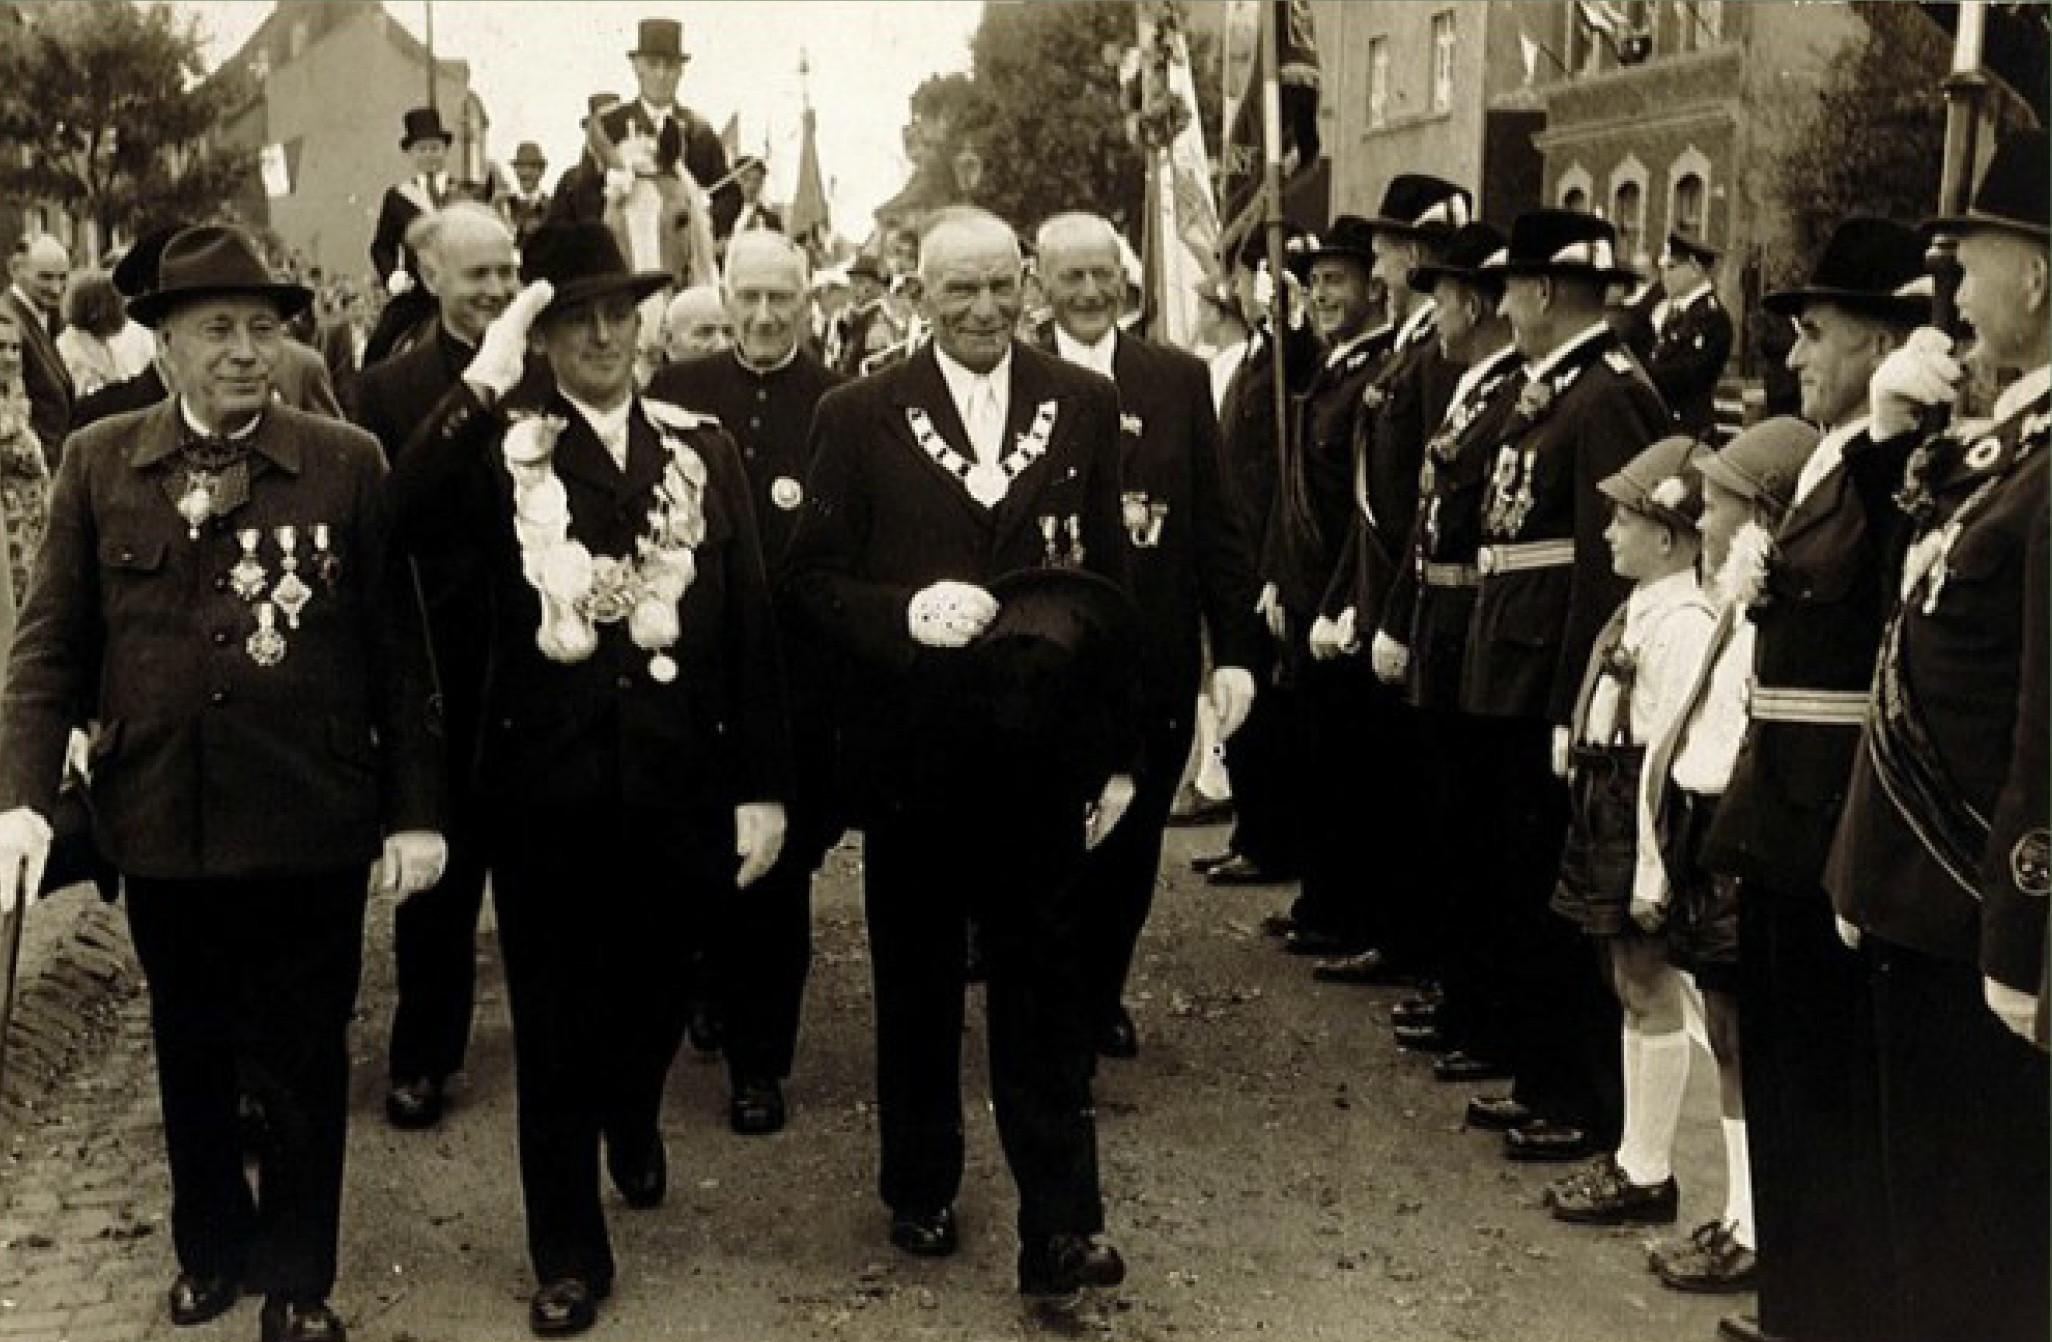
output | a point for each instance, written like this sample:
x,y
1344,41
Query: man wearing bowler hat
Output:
x,y
633,759
580,194
424,141
1691,335
217,598
658,141
528,205
1940,869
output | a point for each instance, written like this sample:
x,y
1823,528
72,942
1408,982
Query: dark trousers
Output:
x,y
434,951
1964,1150
1119,876
1268,784
1007,854
265,971
1475,1010
1805,1013
759,953
595,911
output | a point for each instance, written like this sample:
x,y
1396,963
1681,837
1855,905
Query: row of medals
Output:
x,y
289,596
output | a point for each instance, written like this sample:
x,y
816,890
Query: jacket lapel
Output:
x,y
920,386
646,455
1031,385
581,456
1822,502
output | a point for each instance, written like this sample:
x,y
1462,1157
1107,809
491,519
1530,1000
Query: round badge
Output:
x,y
786,493
1982,455
2030,864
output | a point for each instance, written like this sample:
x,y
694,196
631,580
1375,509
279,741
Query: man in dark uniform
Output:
x,y
763,391
426,142
1692,335
467,262
527,207
738,206
658,140
1192,569
1942,864
971,459
634,742
1547,588
216,595
580,194
1803,1010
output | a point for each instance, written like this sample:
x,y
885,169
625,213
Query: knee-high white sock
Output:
x,y
1653,1106
1738,1182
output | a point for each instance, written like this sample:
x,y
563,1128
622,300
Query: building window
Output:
x,y
1574,198
1685,215
1574,189
1442,60
1378,83
1628,216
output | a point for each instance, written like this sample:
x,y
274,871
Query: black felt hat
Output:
x,y
1415,204
529,153
1465,253
1063,647
2013,192
1563,243
135,274
213,261
660,37
1693,249
424,123
1350,238
1873,266
583,262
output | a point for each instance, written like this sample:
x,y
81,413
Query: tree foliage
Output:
x,y
110,105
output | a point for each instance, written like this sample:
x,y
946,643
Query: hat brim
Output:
x,y
1553,270
1424,279
407,142
1305,260
1984,223
1889,307
637,284
151,308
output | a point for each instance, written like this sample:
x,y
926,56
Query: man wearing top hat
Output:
x,y
1547,587
633,760
527,206
1940,869
737,203
425,142
1817,620
1692,335
217,598
975,457
656,140
580,194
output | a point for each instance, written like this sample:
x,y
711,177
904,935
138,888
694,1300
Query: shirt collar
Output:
x,y
1337,355
167,428
2030,387
1473,375
764,370
1421,313
609,425
21,295
961,380
1650,599
657,114
1096,357
1544,367
200,430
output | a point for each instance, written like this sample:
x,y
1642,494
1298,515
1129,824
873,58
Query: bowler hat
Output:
x,y
1868,265
583,262
1662,482
1417,205
1683,246
136,273
424,123
2013,191
212,261
1350,238
596,104
529,153
1064,645
1461,259
660,37
1562,243
1764,462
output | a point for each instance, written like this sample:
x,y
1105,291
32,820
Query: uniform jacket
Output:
x,y
43,377
1687,358
580,194
605,728
525,216
1828,596
1533,629
403,203
299,380
685,137
206,763
1247,420
884,520
1972,662
1313,507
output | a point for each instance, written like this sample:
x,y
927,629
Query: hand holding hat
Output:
x,y
25,839
1232,698
502,355
1922,373
950,614
1109,808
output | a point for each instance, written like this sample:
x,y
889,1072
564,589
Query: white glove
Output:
x,y
2016,1009
1560,752
1104,813
1849,933
950,614
1921,373
1269,608
502,355
399,282
758,839
1324,639
1388,658
1648,914
24,848
78,756
1232,698
413,860
1348,637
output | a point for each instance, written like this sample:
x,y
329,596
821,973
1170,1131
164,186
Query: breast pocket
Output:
x,y
132,558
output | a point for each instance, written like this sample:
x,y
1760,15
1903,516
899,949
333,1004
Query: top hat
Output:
x,y
1350,238
1565,243
210,261
136,273
424,123
1064,644
1663,482
2013,192
1417,205
1764,462
1872,266
583,262
1462,258
660,37
529,153
1684,247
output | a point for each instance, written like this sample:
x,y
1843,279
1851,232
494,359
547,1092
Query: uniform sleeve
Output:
x,y
440,482
1225,555
390,234
2015,877
755,666
414,755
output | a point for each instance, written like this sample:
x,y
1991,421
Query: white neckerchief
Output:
x,y
1421,312
656,115
1471,377
963,385
436,184
1097,358
1543,367
1824,459
2023,391
609,426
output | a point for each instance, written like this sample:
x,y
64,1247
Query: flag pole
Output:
x,y
1966,90
1272,226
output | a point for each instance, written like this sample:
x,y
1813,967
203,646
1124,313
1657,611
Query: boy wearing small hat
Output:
x,y
1692,335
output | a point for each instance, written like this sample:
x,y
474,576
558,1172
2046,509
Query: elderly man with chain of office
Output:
x,y
215,593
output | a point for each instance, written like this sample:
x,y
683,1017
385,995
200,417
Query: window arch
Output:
x,y
1574,189
1688,194
1628,208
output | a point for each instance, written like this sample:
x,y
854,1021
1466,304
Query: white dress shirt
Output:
x,y
1097,358
982,400
610,426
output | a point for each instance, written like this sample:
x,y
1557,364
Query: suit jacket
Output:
x,y
1533,628
685,138
523,216
1967,651
1687,357
1247,420
403,203
883,519
560,734
300,380
135,624
580,194
43,377
1313,509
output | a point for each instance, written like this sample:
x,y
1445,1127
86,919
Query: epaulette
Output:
x,y
1621,362
672,416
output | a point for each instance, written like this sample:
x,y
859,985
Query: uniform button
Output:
x,y
748,452
625,682
221,582
217,698
762,393
128,556
755,421
220,638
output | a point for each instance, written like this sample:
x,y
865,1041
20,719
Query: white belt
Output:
x,y
1515,558
1824,708
1451,575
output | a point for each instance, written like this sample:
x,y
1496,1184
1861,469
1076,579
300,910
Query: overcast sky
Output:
x,y
533,63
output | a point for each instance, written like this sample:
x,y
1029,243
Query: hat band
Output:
x,y
1451,212
1595,253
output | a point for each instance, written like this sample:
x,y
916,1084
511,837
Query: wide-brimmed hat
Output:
x,y
1465,253
2014,193
1563,243
135,274
1064,644
1663,482
1415,204
1253,245
1692,249
529,154
424,123
660,37
583,262
213,261
1873,266
1351,238
1764,462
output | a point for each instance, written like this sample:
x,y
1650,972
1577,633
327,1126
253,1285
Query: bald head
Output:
x,y
695,323
40,266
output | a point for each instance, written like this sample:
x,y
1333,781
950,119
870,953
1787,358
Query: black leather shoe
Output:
x,y
1746,1328
1206,863
640,1169
1423,1038
565,1306
1415,1011
1543,1139
925,1234
1497,1113
1054,1265
1462,1068
1602,1196
1117,1038
1199,809
756,1108
1368,969
415,1104
196,1299
291,1321
1237,870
